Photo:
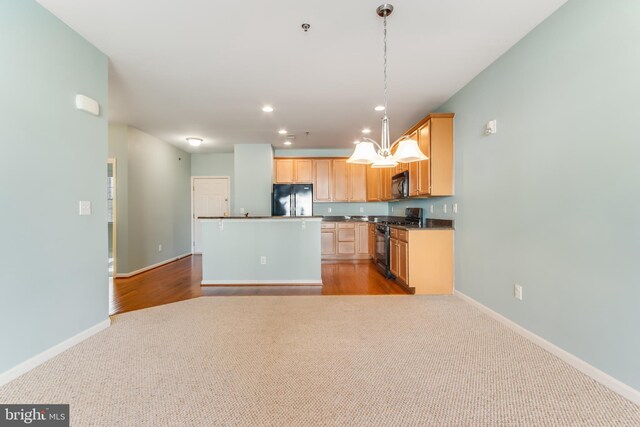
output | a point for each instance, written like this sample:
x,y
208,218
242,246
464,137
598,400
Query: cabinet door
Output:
x,y
424,167
403,262
385,182
441,150
372,244
394,249
328,242
322,180
284,171
357,182
373,184
340,181
362,239
303,171
414,171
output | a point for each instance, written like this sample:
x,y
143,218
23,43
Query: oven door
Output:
x,y
382,248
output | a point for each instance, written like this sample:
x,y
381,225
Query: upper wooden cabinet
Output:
x,y
357,183
303,171
435,138
340,181
283,171
322,180
293,171
373,185
349,182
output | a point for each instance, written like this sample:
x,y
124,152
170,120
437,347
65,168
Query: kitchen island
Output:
x,y
261,250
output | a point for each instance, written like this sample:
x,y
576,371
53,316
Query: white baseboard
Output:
x,y
38,359
603,378
263,282
150,267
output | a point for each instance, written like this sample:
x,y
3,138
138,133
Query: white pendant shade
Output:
x,y
408,151
385,162
364,154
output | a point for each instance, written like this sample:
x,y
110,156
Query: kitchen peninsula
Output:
x,y
261,250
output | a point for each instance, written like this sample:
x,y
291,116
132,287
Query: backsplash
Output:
x,y
356,208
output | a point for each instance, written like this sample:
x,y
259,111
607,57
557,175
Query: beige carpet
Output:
x,y
317,361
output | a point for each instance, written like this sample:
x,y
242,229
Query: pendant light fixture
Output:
x,y
368,151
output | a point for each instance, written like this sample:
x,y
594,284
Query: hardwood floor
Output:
x,y
180,280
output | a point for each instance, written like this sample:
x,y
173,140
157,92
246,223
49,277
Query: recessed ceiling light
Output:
x,y
287,143
267,108
282,131
379,108
366,130
195,142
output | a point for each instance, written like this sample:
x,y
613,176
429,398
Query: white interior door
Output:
x,y
210,198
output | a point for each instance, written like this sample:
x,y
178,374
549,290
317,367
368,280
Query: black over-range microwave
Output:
x,y
400,185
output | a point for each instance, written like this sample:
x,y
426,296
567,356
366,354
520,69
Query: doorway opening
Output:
x,y
209,198
111,216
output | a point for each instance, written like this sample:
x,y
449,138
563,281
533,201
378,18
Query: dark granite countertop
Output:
x,y
430,224
259,217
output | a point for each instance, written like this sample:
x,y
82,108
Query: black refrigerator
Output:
x,y
292,200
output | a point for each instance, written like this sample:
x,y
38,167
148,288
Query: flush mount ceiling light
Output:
x,y
368,151
287,143
267,109
379,108
282,131
366,130
195,142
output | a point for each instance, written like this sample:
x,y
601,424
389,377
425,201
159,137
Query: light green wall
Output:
x,y
551,201
159,204
118,149
253,171
53,280
232,253
215,164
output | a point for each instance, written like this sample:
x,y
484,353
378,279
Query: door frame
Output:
x,y
193,215
112,161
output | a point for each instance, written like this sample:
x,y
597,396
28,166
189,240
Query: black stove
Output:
x,y
412,217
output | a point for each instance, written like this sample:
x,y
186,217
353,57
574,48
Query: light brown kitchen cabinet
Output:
x,y
435,139
293,171
373,184
322,180
362,239
350,240
357,183
340,181
372,241
303,171
414,169
422,260
349,182
328,241
385,183
283,171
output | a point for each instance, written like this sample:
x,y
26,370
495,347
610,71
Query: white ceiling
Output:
x,y
206,67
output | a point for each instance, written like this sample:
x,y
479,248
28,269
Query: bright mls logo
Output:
x,y
34,415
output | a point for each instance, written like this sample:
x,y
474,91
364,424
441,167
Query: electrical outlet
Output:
x,y
431,209
84,207
361,209
241,210
329,210
263,260
455,208
517,292
159,248
444,208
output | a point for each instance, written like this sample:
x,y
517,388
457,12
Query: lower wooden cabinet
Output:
x,y
372,241
344,240
423,260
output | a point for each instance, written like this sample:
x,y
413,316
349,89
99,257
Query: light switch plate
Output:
x,y
84,207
